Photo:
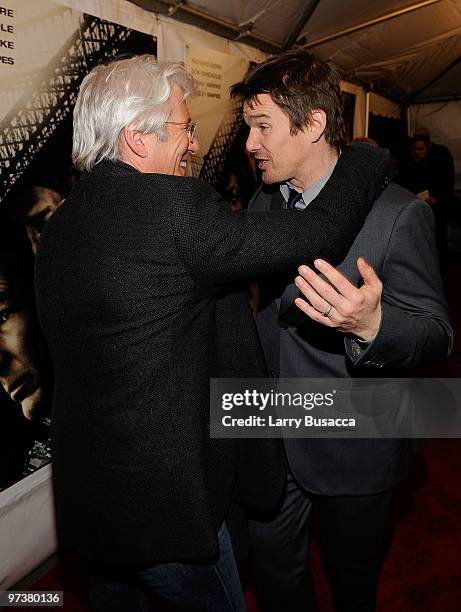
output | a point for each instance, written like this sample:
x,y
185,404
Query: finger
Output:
x,y
338,280
313,314
368,274
312,296
324,289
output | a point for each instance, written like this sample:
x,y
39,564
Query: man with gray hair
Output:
x,y
138,289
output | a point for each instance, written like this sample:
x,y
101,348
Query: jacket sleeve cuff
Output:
x,y
385,346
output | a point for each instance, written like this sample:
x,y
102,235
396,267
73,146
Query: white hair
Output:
x,y
130,93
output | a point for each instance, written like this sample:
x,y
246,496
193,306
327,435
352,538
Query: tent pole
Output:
x,y
257,40
367,112
369,23
452,98
299,27
405,118
412,98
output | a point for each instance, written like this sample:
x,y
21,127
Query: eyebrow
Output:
x,y
187,121
260,116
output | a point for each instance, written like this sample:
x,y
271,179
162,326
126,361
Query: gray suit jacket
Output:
x,y
398,241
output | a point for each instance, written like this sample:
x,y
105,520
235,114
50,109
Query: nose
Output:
x,y
252,143
194,145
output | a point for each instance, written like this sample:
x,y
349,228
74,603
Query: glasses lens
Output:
x,y
191,129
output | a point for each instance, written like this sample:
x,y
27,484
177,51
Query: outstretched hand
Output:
x,y
339,304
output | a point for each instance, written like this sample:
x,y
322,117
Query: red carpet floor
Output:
x,y
422,570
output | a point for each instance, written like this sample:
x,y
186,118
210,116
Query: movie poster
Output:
x,y
46,50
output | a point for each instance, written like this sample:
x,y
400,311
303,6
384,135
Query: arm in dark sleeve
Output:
x,y
218,245
415,328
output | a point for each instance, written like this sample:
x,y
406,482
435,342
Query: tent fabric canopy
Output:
x,y
407,51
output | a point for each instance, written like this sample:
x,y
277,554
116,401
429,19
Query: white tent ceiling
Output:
x,y
408,51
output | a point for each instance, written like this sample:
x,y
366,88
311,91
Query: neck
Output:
x,y
131,160
320,161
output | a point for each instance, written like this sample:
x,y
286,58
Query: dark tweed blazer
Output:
x,y
138,297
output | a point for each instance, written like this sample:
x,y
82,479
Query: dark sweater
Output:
x,y
138,297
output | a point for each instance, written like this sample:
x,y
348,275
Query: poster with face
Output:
x,y
46,50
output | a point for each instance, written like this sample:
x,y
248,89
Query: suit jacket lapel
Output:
x,y
277,200
266,198
287,299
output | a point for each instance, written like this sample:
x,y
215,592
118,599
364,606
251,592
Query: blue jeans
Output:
x,y
197,587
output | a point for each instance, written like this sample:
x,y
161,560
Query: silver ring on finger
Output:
x,y
327,311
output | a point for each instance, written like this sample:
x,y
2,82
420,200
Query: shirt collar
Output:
x,y
310,192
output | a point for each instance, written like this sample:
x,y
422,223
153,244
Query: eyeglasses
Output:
x,y
188,127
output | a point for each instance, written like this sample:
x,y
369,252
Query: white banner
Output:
x,y
214,73
33,30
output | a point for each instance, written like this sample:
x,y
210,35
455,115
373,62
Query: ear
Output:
x,y
317,124
133,141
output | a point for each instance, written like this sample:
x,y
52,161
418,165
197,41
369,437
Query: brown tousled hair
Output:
x,y
299,83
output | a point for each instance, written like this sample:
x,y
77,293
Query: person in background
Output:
x,y
429,173
349,326
145,265
438,153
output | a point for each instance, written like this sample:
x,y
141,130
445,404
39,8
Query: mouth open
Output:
x,y
182,166
262,163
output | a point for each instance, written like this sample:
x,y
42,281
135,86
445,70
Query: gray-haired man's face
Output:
x,y
172,155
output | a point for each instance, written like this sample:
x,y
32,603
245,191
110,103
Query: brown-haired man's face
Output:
x,y
281,156
19,361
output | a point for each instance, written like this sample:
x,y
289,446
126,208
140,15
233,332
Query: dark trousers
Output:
x,y
352,533
206,586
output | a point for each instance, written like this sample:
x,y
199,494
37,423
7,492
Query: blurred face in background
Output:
x,y
419,150
19,356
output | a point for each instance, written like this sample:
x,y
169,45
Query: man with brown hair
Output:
x,y
293,106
